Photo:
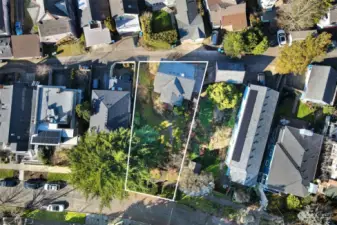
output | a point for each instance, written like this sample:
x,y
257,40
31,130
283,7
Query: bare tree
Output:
x,y
43,70
316,214
193,184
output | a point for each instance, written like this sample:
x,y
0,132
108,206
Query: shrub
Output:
x,y
110,24
293,202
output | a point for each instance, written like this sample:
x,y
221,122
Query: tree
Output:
x,y
43,70
261,47
225,96
98,165
196,185
316,214
110,24
296,58
84,111
234,44
302,14
293,202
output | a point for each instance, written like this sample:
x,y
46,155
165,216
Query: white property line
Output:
x,y
188,137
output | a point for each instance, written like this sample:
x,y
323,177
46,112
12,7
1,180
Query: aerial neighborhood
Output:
x,y
168,112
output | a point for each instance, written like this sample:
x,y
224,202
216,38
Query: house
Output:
x,y
55,118
175,82
55,18
300,35
190,23
294,161
320,85
16,116
92,15
230,72
26,46
5,29
110,110
126,15
250,134
5,48
329,20
157,5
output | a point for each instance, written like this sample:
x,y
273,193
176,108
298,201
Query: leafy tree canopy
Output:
x,y
225,96
296,58
234,44
84,110
293,202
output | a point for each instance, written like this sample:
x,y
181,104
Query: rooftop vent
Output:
x,y
306,132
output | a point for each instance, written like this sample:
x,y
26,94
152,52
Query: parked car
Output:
x,y
281,38
56,207
215,37
34,183
261,78
9,182
52,187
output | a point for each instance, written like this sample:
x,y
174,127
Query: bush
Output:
x,y
261,47
293,202
110,24
45,155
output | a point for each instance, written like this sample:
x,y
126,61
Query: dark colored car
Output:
x,y
215,37
9,182
34,183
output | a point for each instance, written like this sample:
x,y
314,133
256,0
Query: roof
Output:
x,y
96,36
321,84
333,15
95,10
6,96
118,8
55,104
251,134
111,109
175,82
27,45
294,162
301,35
230,72
235,16
190,22
5,48
216,7
54,27
4,18
127,24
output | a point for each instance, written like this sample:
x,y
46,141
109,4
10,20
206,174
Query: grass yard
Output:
x,y
7,173
58,176
305,113
161,21
70,217
157,45
201,204
70,49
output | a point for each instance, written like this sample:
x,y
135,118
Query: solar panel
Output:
x,y
47,137
247,116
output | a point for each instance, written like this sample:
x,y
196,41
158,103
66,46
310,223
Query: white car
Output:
x,y
281,38
55,207
52,187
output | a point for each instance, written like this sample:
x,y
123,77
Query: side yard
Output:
x,y
69,217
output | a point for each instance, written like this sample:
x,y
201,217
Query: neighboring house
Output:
x,y
92,14
294,161
5,29
320,85
267,4
126,15
55,118
228,72
26,46
157,5
110,110
16,116
175,82
300,35
250,134
55,18
190,23
329,19
5,48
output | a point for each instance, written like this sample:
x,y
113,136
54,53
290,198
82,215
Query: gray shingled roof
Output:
x,y
257,111
174,82
54,27
110,110
96,10
6,95
96,36
190,23
230,72
294,161
5,48
4,18
321,84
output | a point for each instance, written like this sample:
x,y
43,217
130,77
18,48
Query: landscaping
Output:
x,y
7,173
69,217
161,21
58,177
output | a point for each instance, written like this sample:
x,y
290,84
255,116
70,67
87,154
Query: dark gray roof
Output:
x,y
255,119
54,27
110,110
5,48
294,162
190,23
175,82
96,10
4,18
321,84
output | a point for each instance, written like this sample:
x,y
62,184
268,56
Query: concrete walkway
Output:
x,y
35,168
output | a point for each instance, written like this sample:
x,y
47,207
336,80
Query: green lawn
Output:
x,y
305,113
70,217
206,112
158,45
161,21
7,173
201,204
58,176
70,49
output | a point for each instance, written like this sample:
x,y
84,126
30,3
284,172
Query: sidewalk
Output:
x,y
35,168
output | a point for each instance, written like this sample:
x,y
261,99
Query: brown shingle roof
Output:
x,y
235,16
25,46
